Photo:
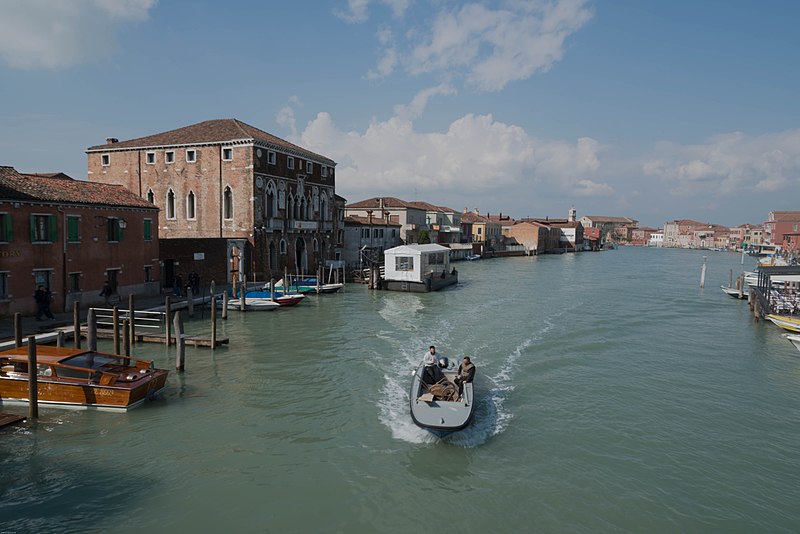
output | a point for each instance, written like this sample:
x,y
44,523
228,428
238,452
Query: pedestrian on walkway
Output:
x,y
106,293
42,296
177,286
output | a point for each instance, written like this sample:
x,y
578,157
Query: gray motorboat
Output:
x,y
439,409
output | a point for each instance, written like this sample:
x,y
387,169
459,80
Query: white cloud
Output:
x,y
358,10
475,155
56,34
491,48
728,163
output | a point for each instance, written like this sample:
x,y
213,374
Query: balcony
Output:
x,y
304,225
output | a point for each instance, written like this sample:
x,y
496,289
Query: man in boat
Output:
x,y
431,373
465,374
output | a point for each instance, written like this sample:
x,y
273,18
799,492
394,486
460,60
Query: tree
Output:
x,y
424,238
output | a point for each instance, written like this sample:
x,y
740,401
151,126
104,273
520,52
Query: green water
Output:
x,y
614,396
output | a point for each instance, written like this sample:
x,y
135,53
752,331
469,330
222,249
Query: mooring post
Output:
x,y
319,276
167,323
213,322
730,278
115,327
17,330
703,274
225,304
33,388
180,354
131,320
190,300
91,329
126,337
285,280
60,338
76,323
272,289
242,301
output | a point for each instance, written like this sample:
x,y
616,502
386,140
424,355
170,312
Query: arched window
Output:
x,y
290,207
297,208
227,203
315,245
309,210
283,246
269,201
323,216
170,204
151,197
190,205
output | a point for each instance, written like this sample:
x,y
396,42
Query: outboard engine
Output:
x,y
443,362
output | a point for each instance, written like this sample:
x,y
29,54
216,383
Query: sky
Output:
x,y
647,109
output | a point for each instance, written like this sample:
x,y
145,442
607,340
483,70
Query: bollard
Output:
x,y
225,304
115,327
131,320
91,329
17,330
213,322
703,274
180,342
33,387
167,324
190,300
60,338
76,323
126,337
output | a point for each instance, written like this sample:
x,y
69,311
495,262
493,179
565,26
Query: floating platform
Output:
x,y
197,341
7,419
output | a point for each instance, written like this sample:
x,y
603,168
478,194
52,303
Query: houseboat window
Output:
x,y
404,263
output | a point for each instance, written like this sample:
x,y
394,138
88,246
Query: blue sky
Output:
x,y
653,110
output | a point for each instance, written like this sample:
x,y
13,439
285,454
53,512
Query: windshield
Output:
x,y
89,360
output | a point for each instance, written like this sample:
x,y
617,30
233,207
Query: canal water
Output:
x,y
614,395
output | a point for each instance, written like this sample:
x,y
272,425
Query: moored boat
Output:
x,y
733,292
439,408
308,286
283,299
78,378
253,304
794,339
786,322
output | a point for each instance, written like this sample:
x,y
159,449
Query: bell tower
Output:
x,y
573,213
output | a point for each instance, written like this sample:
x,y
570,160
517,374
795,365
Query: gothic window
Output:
x,y
151,197
190,204
227,203
170,204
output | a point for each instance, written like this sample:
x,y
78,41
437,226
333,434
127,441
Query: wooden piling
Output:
x,y
730,278
132,320
703,274
126,337
190,300
272,289
167,323
242,302
17,330
180,342
213,322
91,329
60,338
33,387
115,327
76,323
225,305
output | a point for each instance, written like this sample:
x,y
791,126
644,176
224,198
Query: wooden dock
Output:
x,y
197,341
7,419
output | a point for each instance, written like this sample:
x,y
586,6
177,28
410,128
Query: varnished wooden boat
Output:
x,y
79,378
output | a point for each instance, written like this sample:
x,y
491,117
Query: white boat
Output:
x,y
733,292
435,414
254,304
794,339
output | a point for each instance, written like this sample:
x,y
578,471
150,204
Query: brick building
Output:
x,y
236,202
782,228
71,236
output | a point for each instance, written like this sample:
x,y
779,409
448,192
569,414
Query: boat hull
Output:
x,y
437,416
794,339
787,323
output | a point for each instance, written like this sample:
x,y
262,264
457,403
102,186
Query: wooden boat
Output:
x,y
283,299
786,322
79,378
794,339
733,292
253,304
438,416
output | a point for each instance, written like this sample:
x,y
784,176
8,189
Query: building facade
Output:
x,y
226,185
366,238
72,237
411,218
782,227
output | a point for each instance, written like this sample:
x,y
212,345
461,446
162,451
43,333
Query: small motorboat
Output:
x,y
283,299
786,322
253,304
794,339
473,257
439,409
309,285
79,378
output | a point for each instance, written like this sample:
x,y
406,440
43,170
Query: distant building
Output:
x,y
442,222
608,225
366,238
236,202
782,228
656,239
72,236
412,218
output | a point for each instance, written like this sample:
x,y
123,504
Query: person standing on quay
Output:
x,y
42,297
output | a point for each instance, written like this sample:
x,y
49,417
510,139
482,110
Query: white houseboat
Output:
x,y
418,268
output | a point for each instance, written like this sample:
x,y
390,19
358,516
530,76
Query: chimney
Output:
x,y
111,140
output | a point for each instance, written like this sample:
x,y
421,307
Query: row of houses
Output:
x,y
227,202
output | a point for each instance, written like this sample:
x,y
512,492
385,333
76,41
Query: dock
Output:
x,y
196,341
7,419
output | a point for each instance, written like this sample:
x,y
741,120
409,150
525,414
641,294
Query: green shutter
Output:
x,y
53,228
33,228
73,229
148,231
9,237
110,229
